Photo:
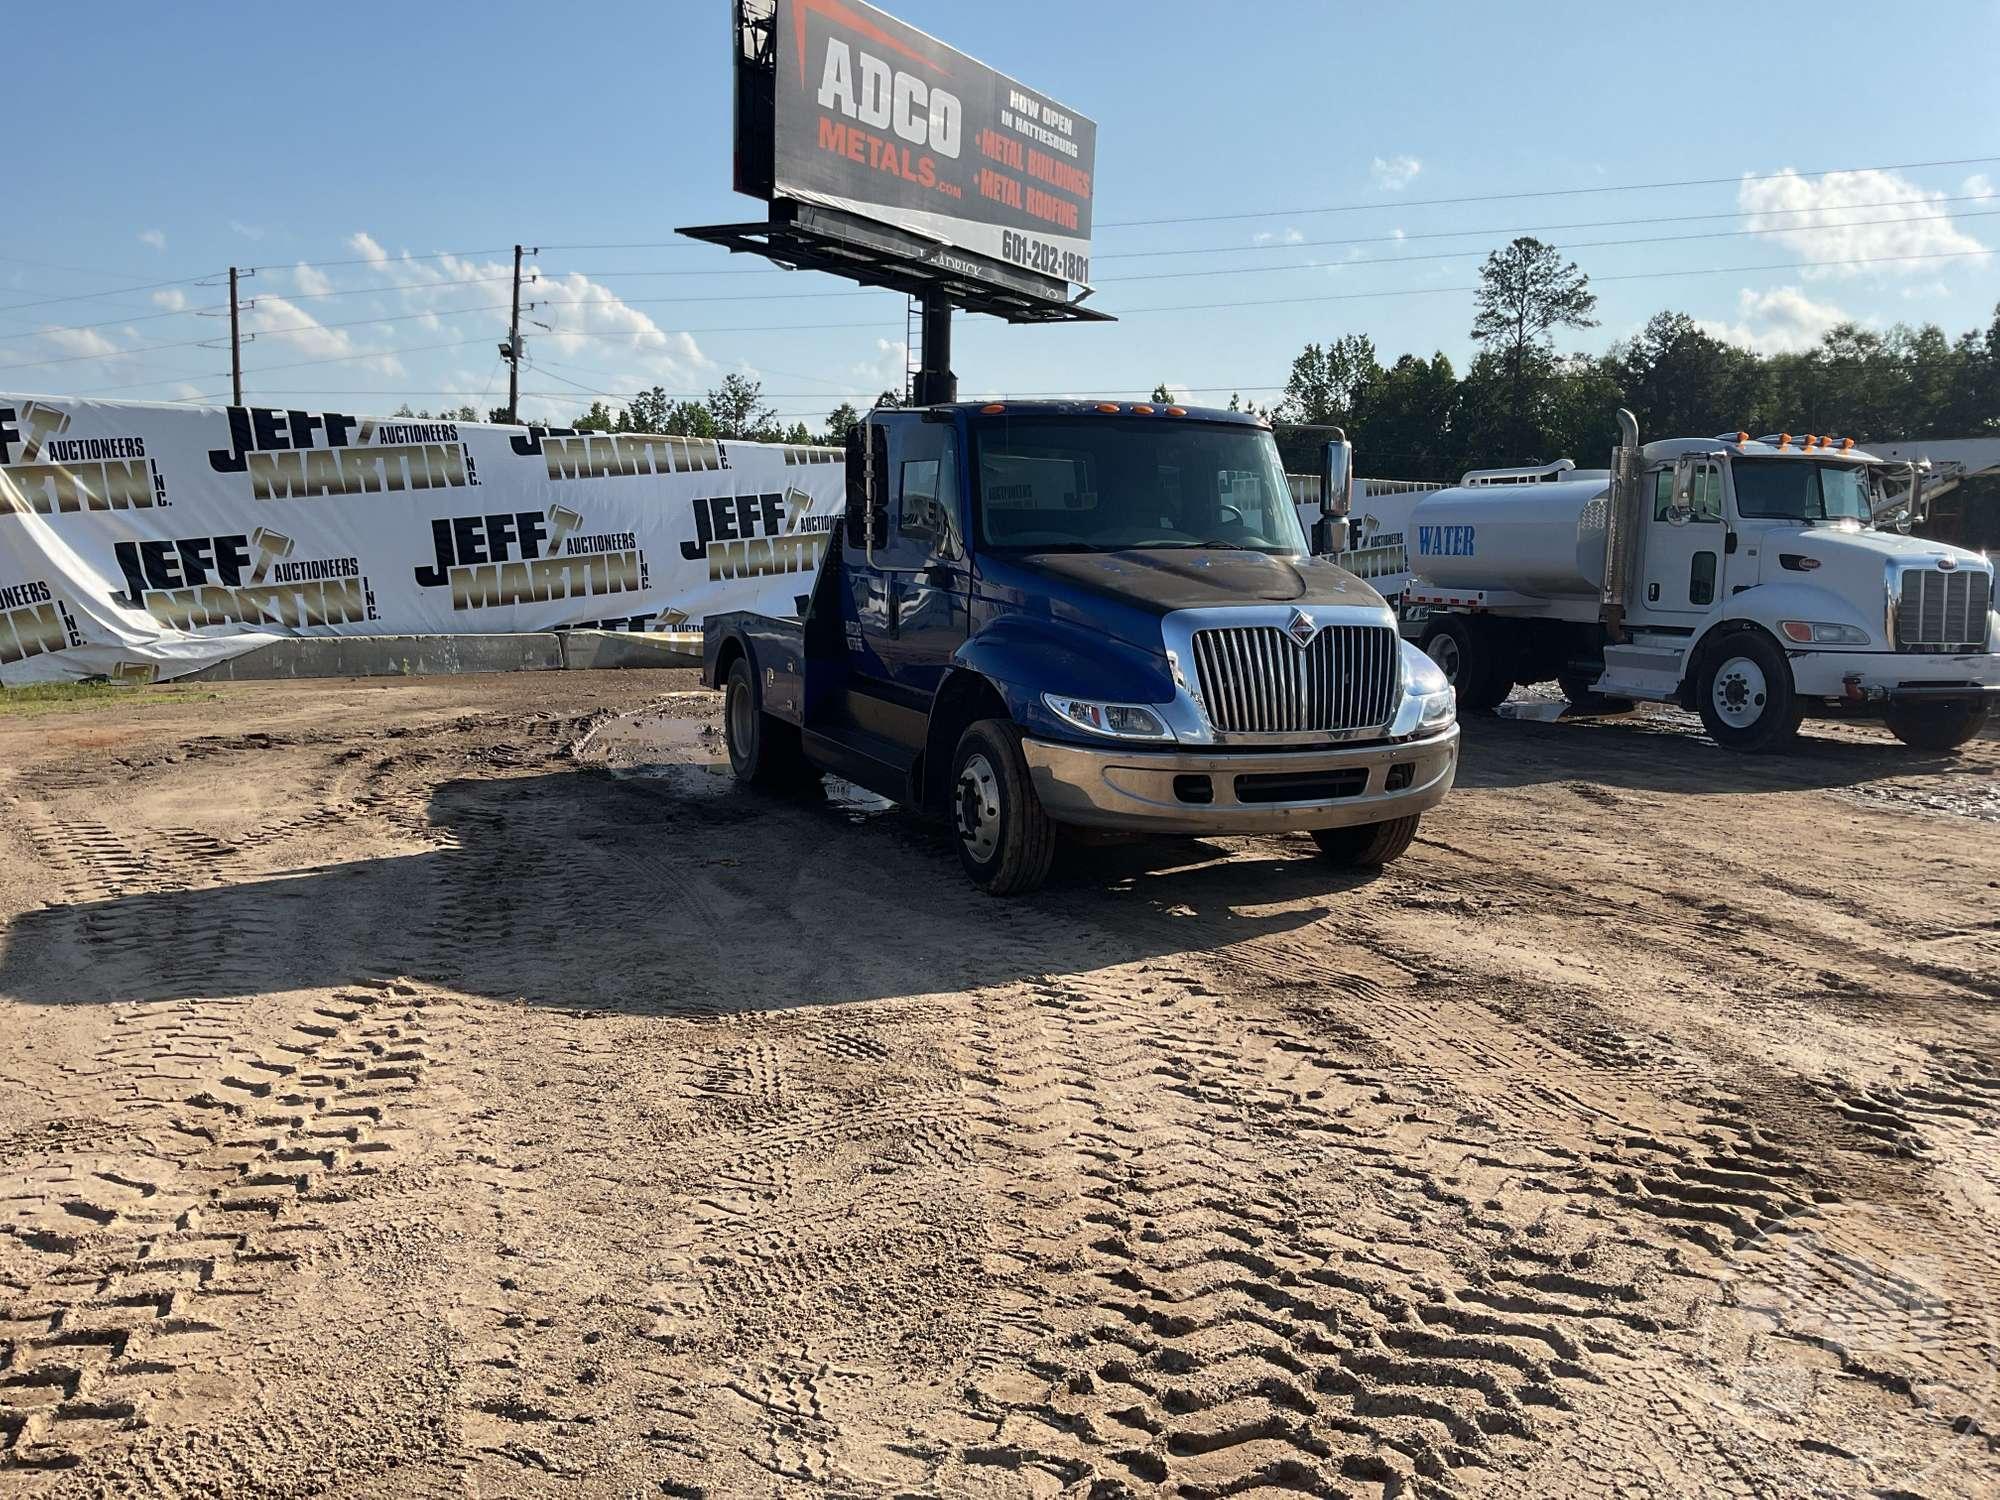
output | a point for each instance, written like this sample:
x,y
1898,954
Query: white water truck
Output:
x,y
1753,580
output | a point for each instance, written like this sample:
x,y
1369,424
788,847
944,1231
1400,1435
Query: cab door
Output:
x,y
1682,568
906,595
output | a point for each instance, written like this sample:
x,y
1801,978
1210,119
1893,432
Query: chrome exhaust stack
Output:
x,y
1621,527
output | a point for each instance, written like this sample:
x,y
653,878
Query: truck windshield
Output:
x,y
1789,490
1105,483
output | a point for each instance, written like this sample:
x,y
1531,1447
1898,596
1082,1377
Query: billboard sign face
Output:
x,y
876,118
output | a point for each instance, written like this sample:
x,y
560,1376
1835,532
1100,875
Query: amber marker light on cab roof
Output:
x,y
1784,440
1742,437
1846,444
1177,411
1144,411
1107,406
991,407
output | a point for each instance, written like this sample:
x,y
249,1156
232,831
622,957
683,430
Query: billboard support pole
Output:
x,y
935,382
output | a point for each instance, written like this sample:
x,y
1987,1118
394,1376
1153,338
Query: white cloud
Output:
x,y
313,282
581,317
1395,173
84,341
888,370
1291,236
1839,216
172,298
154,238
285,322
248,231
1978,185
1782,320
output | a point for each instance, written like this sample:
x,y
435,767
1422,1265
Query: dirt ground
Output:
x,y
459,1088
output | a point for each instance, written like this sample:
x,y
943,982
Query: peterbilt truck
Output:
x,y
1100,615
1746,578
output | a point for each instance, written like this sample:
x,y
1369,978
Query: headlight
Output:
x,y
1429,702
1127,721
1439,709
1821,633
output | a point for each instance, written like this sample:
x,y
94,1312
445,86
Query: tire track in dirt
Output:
x,y
140,1302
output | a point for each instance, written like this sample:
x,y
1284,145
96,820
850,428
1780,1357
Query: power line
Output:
x,y
1653,239
1622,187
116,291
1459,234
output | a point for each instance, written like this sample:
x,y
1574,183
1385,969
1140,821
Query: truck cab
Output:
x,y
1089,614
1747,578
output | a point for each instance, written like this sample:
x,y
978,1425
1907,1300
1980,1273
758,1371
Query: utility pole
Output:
x,y
235,345
514,347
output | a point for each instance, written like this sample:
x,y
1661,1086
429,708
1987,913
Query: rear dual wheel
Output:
x,y
763,752
1471,659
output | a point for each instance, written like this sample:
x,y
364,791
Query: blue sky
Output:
x,y
168,143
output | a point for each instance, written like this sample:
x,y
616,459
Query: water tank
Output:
x,y
1541,539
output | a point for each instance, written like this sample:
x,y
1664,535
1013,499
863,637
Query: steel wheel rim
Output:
x,y
1443,650
742,722
1740,692
976,800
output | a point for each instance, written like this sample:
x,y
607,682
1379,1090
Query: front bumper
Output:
x,y
1877,676
1271,791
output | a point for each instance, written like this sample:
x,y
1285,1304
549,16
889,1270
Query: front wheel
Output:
x,y
1744,692
1005,840
1937,726
1365,844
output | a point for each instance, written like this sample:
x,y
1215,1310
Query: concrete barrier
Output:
x,y
453,655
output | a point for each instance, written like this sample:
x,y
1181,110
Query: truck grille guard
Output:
x,y
1255,675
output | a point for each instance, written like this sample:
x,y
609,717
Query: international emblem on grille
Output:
x,y
1302,627
1947,564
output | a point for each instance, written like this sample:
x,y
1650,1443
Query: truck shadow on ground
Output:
x,y
668,894
1666,751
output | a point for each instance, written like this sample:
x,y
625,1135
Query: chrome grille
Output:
x,y
1255,679
1939,608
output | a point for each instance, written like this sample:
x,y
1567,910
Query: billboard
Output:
x,y
877,119
151,541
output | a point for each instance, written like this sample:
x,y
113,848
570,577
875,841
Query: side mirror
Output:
x,y
1682,510
867,488
1329,536
1336,471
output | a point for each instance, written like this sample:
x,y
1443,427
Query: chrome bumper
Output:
x,y
1149,790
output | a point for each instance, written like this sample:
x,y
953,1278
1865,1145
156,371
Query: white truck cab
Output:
x,y
1748,578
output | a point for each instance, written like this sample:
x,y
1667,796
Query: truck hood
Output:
x,y
1163,579
1857,554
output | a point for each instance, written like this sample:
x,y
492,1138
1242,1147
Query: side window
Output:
x,y
1708,493
1663,493
917,516
1701,578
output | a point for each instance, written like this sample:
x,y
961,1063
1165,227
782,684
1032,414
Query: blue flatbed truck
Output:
x,y
1095,614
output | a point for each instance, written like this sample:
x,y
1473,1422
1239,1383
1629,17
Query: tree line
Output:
x,y
1520,402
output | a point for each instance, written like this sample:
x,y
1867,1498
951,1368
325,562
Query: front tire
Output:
x,y
1364,845
1006,842
1470,661
1937,726
1744,692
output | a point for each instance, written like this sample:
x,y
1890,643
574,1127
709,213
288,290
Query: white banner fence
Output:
x,y
149,541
